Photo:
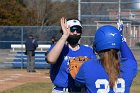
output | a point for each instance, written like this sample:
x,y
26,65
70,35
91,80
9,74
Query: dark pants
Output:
x,y
30,61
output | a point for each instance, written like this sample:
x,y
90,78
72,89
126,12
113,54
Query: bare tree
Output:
x,y
49,13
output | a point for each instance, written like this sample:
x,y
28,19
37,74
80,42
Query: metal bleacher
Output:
x,y
19,59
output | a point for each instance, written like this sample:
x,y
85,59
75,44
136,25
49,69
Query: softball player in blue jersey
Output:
x,y
60,53
111,73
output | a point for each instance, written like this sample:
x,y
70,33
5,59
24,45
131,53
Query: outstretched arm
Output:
x,y
53,55
125,50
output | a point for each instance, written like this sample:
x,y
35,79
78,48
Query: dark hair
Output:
x,y
30,36
54,39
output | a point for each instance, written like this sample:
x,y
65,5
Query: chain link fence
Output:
x,y
95,13
18,35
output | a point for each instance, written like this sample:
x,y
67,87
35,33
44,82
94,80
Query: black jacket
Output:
x,y
31,44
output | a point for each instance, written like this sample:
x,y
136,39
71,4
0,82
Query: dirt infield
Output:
x,y
10,78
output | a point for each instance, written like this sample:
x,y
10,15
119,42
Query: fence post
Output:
x,y
22,59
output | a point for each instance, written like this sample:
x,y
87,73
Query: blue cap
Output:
x,y
107,37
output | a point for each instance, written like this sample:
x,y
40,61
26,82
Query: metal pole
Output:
x,y
79,12
79,9
119,12
22,59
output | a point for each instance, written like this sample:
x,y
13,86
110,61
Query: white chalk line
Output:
x,y
15,76
12,77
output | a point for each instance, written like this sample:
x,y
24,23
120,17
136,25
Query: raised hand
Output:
x,y
120,27
65,27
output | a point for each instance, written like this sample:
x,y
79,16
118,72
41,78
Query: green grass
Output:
x,y
47,87
31,88
136,84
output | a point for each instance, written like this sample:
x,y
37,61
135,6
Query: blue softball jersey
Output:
x,y
59,72
93,75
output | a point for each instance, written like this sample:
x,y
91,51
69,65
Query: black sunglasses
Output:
x,y
78,29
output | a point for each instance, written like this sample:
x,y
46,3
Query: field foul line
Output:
x,y
13,77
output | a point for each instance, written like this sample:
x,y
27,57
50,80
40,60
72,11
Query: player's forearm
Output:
x,y
126,52
56,51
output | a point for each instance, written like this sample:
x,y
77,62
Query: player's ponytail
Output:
x,y
110,61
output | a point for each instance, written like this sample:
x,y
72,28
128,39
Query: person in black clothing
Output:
x,y
30,46
54,40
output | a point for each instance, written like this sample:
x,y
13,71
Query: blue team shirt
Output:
x,y
59,72
93,75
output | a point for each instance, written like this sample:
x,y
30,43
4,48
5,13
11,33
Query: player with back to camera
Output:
x,y
111,73
59,54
